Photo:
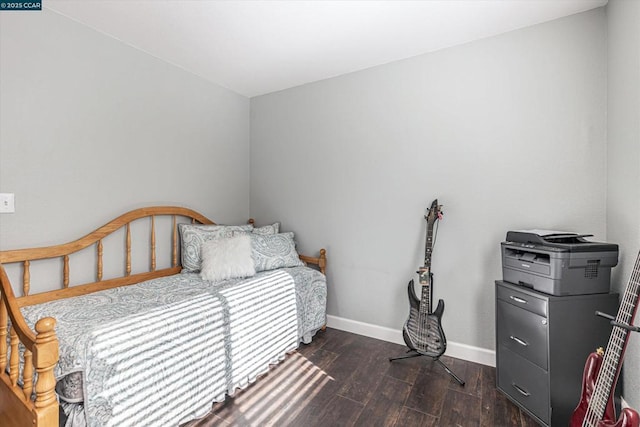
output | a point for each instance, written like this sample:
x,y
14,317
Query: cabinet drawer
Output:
x,y
524,382
510,294
523,332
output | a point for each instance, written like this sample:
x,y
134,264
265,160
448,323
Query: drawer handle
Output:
x,y
519,341
521,391
520,300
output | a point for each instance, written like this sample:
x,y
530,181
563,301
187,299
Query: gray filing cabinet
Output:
x,y
542,343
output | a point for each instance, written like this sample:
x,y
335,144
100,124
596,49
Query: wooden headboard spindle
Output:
x,y
100,251
153,243
65,275
26,278
14,357
27,375
3,336
128,271
175,242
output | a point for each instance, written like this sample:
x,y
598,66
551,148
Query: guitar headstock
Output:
x,y
435,212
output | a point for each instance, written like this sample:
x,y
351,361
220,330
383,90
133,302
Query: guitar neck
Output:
x,y
428,248
614,353
425,272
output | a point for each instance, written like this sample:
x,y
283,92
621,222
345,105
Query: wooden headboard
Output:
x,y
177,214
26,256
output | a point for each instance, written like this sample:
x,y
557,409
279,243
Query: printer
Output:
x,y
558,263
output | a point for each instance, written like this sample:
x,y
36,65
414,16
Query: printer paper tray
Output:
x,y
532,267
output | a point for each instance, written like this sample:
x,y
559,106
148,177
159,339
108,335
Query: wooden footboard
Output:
x,y
17,405
23,401
320,261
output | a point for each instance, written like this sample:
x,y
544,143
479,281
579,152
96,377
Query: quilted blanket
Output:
x,y
160,352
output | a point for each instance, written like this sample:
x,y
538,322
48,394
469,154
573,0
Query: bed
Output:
x,y
157,346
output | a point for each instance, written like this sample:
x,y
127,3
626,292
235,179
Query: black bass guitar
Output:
x,y
422,332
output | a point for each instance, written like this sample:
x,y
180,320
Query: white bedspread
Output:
x,y
149,368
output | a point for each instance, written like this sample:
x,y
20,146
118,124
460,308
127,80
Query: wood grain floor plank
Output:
x,y
527,421
470,373
504,411
385,406
321,358
339,341
339,412
210,421
427,393
460,409
412,418
487,396
369,372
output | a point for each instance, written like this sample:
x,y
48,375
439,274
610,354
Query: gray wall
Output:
x,y
90,128
623,177
507,132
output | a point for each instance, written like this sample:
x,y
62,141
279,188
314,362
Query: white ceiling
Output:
x,y
258,47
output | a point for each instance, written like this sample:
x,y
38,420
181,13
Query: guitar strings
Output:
x,y
617,343
423,334
594,408
608,369
424,318
420,332
433,244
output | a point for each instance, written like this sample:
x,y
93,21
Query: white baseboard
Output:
x,y
457,350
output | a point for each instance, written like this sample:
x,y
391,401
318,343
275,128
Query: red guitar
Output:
x,y
603,368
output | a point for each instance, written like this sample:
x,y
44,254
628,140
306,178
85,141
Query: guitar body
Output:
x,y
422,332
628,417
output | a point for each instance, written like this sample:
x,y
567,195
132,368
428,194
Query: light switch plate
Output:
x,y
7,203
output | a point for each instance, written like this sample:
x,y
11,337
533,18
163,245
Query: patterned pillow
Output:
x,y
274,251
268,229
192,236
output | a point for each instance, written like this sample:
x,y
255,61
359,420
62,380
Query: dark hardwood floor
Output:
x,y
343,379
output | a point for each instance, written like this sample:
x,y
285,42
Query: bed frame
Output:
x,y
18,407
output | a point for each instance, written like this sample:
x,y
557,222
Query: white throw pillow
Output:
x,y
227,258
